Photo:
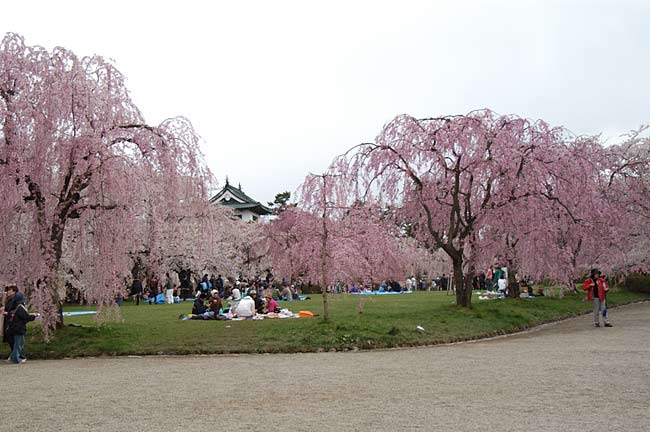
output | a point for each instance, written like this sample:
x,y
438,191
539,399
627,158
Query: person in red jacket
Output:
x,y
597,288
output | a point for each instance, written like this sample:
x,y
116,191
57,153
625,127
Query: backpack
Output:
x,y
14,324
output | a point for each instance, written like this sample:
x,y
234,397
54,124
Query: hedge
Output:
x,y
638,282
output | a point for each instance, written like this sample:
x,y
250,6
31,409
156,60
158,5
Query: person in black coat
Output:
x,y
13,300
219,286
136,290
259,303
17,319
153,290
199,307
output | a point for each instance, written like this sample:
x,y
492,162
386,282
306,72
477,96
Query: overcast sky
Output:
x,y
277,88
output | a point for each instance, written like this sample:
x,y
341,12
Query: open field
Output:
x,y
355,323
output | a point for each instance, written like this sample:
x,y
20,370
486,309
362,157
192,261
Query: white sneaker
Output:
x,y
22,361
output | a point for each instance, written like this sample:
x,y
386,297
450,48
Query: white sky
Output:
x,y
277,88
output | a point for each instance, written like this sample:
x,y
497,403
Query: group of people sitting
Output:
x,y
225,289
238,306
385,286
239,299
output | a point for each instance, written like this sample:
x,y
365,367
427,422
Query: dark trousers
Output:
x,y
10,340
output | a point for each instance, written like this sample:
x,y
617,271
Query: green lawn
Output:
x,y
384,321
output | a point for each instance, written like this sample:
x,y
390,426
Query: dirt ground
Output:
x,y
568,376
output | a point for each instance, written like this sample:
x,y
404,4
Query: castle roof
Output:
x,y
235,198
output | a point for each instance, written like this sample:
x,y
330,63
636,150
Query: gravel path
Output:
x,y
568,376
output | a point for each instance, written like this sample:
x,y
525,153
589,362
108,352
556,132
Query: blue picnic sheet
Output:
x,y
74,313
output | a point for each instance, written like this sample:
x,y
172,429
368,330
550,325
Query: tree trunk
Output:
x,y
57,301
463,285
59,314
324,271
513,285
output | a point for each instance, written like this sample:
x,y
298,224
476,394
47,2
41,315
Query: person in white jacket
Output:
x,y
503,285
169,290
245,308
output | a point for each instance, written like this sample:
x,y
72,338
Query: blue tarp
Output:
x,y
79,313
160,299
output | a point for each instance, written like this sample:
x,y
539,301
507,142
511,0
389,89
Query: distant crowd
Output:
x,y
390,285
210,287
261,288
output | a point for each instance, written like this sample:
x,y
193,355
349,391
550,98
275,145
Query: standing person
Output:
x,y
481,281
136,290
597,288
205,285
444,282
11,304
17,320
496,275
475,283
489,274
153,290
502,284
269,276
219,286
169,290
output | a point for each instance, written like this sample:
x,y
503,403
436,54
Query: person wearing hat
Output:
x,y
597,288
271,304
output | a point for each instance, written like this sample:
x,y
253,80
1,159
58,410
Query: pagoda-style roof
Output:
x,y
235,198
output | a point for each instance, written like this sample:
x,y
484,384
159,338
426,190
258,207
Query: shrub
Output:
x,y
638,282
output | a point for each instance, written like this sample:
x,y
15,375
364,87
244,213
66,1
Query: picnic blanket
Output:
x,y
283,314
160,299
74,313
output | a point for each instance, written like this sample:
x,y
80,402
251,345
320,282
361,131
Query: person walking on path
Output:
x,y
17,318
597,288
13,299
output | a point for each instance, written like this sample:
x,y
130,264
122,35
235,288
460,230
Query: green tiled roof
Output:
x,y
241,201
